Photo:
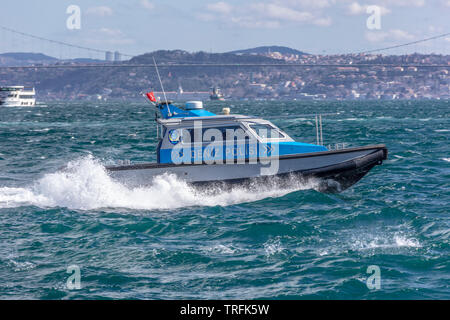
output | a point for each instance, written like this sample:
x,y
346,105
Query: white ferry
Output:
x,y
17,96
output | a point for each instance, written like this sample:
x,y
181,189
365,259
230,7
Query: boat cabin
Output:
x,y
194,135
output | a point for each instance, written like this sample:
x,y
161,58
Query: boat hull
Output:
x,y
335,170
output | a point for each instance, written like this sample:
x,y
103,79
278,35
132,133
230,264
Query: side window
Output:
x,y
229,132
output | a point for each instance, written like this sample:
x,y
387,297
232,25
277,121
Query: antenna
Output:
x,y
162,87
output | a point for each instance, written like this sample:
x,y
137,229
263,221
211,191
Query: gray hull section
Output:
x,y
343,163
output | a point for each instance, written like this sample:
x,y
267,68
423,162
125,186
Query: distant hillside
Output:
x,y
180,56
30,58
27,56
24,58
243,82
269,49
128,82
256,55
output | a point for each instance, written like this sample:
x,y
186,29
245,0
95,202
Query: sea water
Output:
x,y
168,240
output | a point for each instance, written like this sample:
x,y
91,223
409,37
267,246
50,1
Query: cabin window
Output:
x,y
266,131
188,134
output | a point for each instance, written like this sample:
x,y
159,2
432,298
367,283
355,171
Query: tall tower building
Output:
x,y
117,56
109,56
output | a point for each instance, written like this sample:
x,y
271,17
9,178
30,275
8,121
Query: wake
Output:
x,y
86,185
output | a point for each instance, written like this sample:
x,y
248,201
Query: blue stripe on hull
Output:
x,y
180,154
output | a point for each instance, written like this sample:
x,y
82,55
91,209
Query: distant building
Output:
x,y
109,56
117,56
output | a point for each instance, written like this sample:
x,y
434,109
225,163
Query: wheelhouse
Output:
x,y
221,138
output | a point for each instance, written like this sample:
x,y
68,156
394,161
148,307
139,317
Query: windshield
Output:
x,y
266,131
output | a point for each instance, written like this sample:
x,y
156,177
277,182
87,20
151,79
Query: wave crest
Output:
x,y
85,185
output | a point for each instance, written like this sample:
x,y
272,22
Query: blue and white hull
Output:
x,y
342,167
206,149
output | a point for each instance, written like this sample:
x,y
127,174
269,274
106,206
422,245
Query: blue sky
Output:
x,y
138,26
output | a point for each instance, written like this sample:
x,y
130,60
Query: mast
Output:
x,y
162,87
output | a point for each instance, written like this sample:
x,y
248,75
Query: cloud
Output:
x,y
434,29
397,3
307,4
111,32
356,9
248,22
277,12
391,35
106,36
220,7
323,22
147,4
268,14
405,3
376,36
398,34
101,11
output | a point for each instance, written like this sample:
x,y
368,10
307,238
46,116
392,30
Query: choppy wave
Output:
x,y
385,242
188,243
85,185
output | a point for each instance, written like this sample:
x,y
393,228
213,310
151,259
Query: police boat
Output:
x,y
207,149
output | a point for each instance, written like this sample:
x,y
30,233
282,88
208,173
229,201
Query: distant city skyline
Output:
x,y
139,26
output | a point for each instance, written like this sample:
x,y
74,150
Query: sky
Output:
x,y
139,26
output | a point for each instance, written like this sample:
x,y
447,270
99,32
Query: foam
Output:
x,y
272,247
385,242
85,185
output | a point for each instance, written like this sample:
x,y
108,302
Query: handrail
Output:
x,y
310,115
319,132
